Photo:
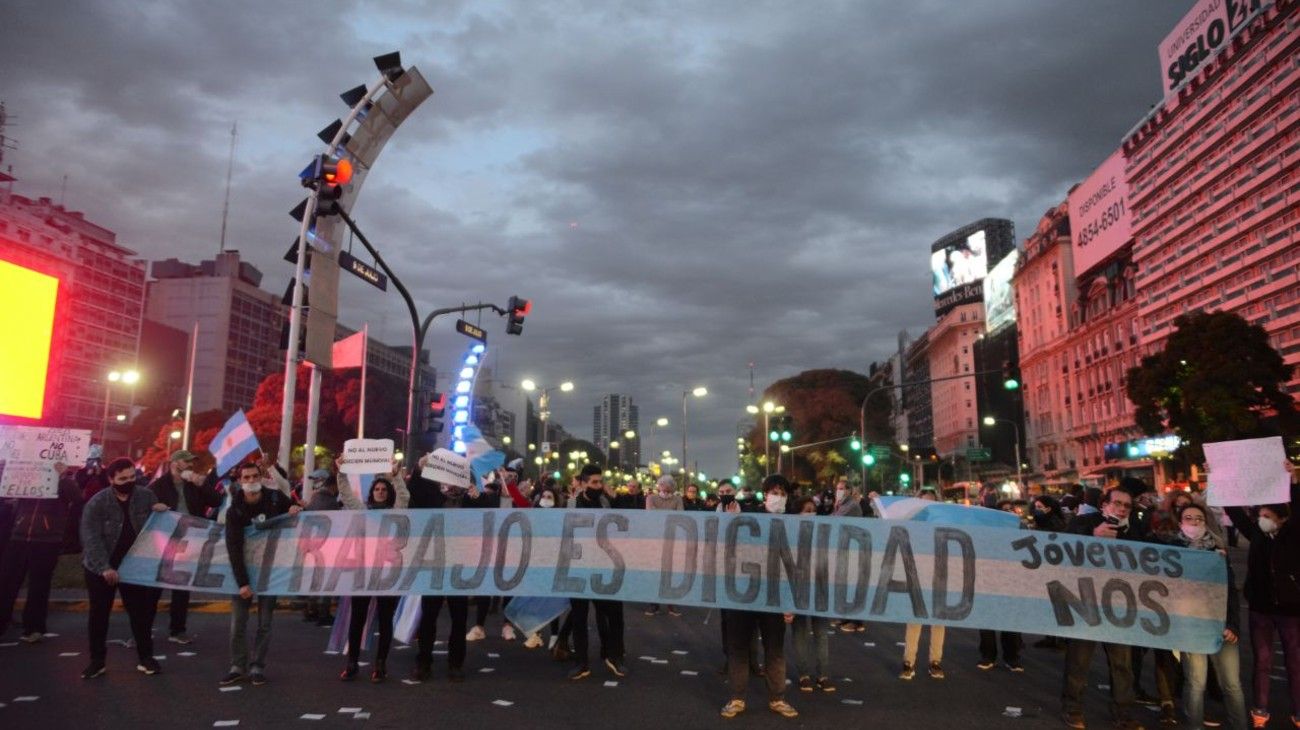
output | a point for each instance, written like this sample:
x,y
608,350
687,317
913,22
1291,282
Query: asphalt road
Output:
x,y
40,686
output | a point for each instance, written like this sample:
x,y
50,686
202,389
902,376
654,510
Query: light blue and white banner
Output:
x,y
852,568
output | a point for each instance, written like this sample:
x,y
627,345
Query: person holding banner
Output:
x,y
740,627
609,614
109,525
664,498
1273,595
1194,533
386,492
34,544
181,489
912,634
254,505
811,647
428,494
1111,523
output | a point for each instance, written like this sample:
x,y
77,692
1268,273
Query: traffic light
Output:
x,y
868,459
905,478
855,444
1010,378
787,429
518,309
437,407
327,176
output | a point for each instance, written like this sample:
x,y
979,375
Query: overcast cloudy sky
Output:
x,y
681,188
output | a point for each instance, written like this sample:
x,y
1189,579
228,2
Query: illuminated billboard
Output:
x,y
959,261
28,301
999,298
1100,217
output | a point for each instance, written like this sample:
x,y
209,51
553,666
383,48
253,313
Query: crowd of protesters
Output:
x,y
100,509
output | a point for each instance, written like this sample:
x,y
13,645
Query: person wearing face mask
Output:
x,y
691,501
253,505
109,525
386,492
847,504
609,614
188,492
741,625
501,492
1272,591
665,497
1048,515
320,493
1194,533
547,497
1112,522
811,646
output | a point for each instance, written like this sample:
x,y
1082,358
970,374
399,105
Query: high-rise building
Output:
x,y
1045,294
954,400
238,324
615,416
1214,180
916,397
104,289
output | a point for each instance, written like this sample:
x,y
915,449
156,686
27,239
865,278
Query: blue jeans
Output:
x,y
1227,667
811,649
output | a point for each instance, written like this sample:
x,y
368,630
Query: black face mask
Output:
x,y
124,488
726,499
594,492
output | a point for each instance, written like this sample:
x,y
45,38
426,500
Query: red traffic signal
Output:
x,y
438,404
518,309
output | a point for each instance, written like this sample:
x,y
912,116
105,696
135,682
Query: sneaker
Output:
x,y
32,637
455,675
1259,718
1074,720
1168,718
1212,722
936,671
908,671
806,684
96,669
380,672
782,708
475,634
423,670
733,708
257,677
849,627
349,672
533,641
616,666
234,677
508,632
825,684
582,671
986,664
180,638
860,627
674,611
1142,698
149,667
1015,667
652,611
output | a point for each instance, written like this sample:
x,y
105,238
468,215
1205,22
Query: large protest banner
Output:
x,y
877,570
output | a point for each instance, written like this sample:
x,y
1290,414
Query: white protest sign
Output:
x,y
367,456
28,480
447,467
1247,472
40,444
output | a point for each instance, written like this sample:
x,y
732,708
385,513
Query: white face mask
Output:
x,y
840,494
776,504
1193,532
1267,525
547,501
253,488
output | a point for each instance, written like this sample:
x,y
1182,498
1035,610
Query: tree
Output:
x,y
1217,379
824,405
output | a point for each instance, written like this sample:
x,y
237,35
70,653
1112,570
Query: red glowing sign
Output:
x,y
28,301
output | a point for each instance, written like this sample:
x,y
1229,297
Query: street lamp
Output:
x,y
768,409
170,438
125,377
990,421
543,400
699,392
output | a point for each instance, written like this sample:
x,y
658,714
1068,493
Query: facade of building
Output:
x,y
1214,178
104,289
954,402
238,325
1045,293
917,402
615,416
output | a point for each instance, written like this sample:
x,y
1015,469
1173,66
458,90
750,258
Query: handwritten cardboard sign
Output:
x,y
367,456
447,467
1247,472
28,480
39,444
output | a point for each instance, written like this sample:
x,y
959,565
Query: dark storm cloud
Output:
x,y
682,188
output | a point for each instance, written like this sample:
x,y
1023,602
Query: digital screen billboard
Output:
x,y
959,263
999,297
28,303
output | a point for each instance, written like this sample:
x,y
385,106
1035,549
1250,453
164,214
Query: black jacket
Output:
x,y
46,520
198,498
270,504
629,501
1272,566
428,494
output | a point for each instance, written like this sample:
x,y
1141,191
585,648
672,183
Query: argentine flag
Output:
x,y
233,442
923,510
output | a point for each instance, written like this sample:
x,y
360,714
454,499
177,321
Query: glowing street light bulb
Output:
x,y
769,406
528,385
566,386
989,420
700,392
751,409
661,422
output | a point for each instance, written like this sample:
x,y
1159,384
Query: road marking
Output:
x,y
502,703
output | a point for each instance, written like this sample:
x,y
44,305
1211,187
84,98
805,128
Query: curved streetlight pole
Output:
x,y
698,392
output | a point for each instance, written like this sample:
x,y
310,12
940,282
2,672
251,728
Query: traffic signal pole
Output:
x,y
419,328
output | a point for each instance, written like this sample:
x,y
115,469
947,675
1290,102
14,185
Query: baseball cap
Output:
x,y
182,455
